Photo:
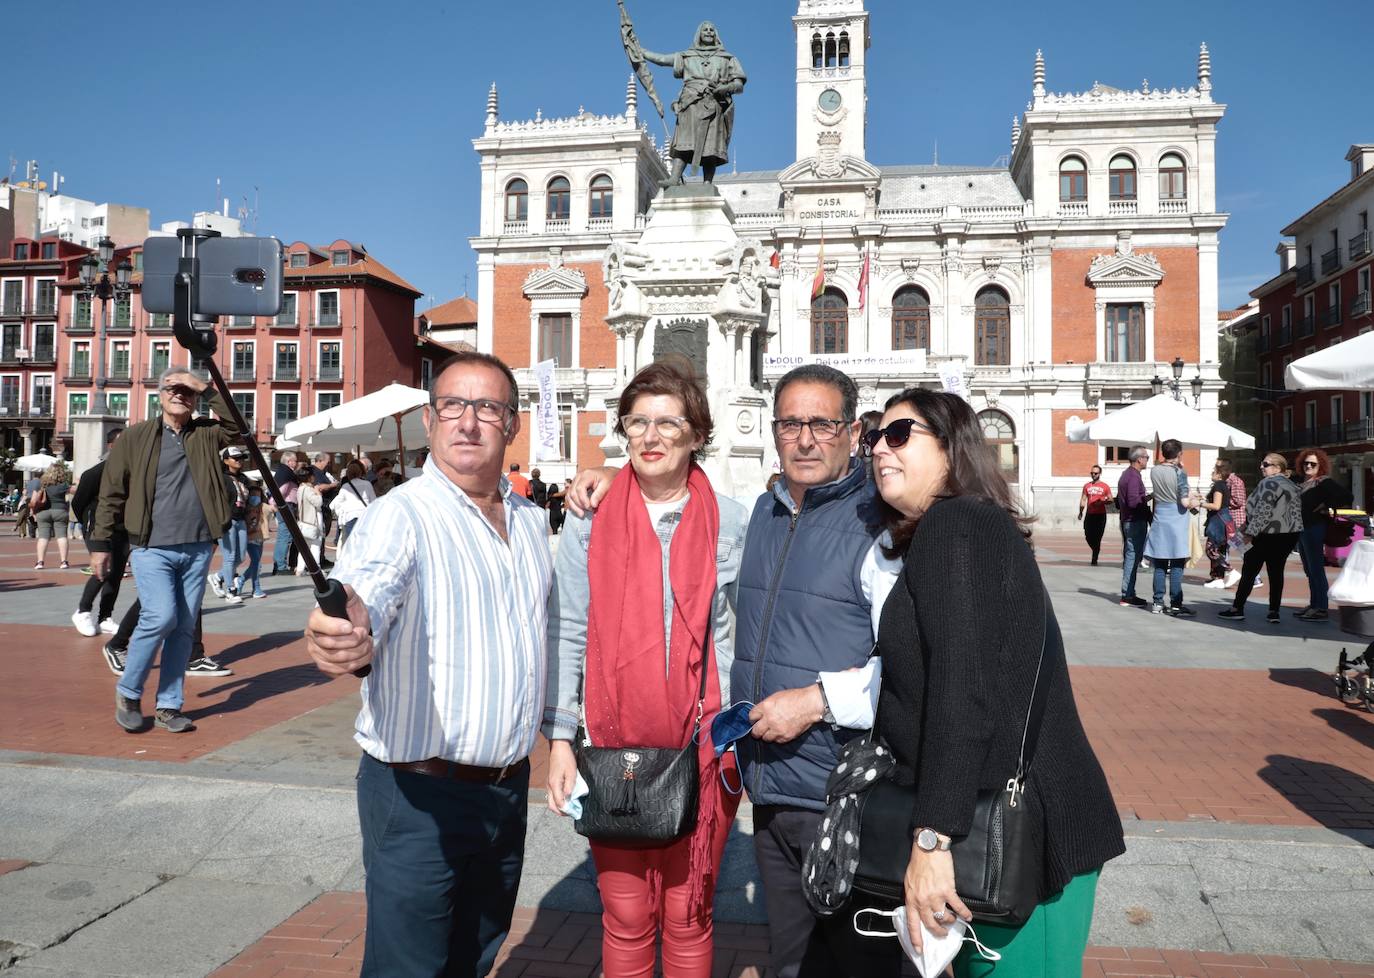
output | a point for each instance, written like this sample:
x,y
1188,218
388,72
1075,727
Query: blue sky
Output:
x,y
355,119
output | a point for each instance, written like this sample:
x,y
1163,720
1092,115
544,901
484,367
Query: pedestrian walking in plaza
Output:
x,y
328,487
957,686
255,521
284,549
23,516
642,625
809,583
164,484
443,784
88,619
539,490
1092,510
1273,523
1168,540
351,501
1133,503
51,512
556,513
1238,495
1219,528
233,546
309,516
1320,495
521,484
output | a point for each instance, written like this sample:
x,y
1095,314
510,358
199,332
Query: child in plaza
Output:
x,y
255,519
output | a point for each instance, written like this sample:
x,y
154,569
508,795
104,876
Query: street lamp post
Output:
x,y
1175,385
104,290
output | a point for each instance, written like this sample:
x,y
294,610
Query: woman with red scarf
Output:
x,y
640,606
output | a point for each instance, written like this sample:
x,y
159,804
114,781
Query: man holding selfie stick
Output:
x,y
163,484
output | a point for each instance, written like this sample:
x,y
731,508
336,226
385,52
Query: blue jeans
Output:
x,y
1133,536
442,861
250,576
1312,549
1175,569
171,583
233,547
282,547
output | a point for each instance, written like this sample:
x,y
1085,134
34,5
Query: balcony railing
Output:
x,y
241,374
13,410
11,309
1358,246
1331,261
240,322
1285,335
1358,431
286,373
1307,325
44,355
1073,208
159,322
1270,393
1305,275
9,407
118,372
557,225
285,319
515,227
1332,316
79,368
1359,306
1119,207
1173,205
599,223
328,319
331,373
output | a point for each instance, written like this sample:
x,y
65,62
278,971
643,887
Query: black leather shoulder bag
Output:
x,y
640,794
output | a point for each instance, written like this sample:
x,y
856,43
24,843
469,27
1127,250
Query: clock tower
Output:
x,y
832,90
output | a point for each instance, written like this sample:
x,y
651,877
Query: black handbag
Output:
x,y
997,865
640,794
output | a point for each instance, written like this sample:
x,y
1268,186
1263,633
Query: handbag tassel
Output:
x,y
627,799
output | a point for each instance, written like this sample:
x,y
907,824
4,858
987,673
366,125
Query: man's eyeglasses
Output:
x,y
669,427
822,429
180,390
897,434
453,408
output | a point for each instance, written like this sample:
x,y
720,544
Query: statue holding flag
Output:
x,y
705,107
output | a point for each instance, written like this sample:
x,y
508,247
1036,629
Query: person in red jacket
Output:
x,y
1094,500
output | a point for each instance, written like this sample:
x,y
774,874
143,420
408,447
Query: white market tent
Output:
x,y
1156,419
34,463
385,420
1345,366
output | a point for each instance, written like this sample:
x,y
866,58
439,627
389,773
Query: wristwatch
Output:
x,y
827,715
928,840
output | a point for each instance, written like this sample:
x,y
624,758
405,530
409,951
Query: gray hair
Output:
x,y
1138,452
325,456
819,373
285,456
174,372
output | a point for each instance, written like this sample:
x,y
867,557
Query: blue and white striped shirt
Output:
x,y
459,624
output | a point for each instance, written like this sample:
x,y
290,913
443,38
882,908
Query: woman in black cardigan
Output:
x,y
960,637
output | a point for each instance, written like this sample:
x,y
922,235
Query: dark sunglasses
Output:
x,y
897,434
180,390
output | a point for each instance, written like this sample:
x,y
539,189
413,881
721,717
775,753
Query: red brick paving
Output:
x,y
10,865
324,938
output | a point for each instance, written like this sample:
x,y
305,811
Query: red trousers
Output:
x,y
628,919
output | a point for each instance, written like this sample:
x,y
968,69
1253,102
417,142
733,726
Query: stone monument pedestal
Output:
x,y
692,288
88,439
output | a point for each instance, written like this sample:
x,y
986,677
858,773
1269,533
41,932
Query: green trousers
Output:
x,y
1050,944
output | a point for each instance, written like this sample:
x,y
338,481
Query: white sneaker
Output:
x,y
1259,582
109,626
232,598
1232,577
85,623
1217,582
217,585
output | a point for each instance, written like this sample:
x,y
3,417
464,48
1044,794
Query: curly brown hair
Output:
x,y
1323,462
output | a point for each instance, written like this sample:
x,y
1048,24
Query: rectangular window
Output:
x,y
78,404
152,408
49,250
1333,304
1309,418
123,313
243,366
244,401
427,374
285,409
21,252
1125,326
1287,420
287,316
46,302
159,320
331,360
11,340
299,259
1337,415
1366,405
45,342
81,312
159,359
329,309
555,338
119,404
81,359
9,395
12,298
286,362
200,366
119,359
42,394
325,400
339,258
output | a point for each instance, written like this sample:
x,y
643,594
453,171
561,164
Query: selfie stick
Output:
x,y
196,332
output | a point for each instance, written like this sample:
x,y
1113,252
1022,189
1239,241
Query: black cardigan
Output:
x,y
960,636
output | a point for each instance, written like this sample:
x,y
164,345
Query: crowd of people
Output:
x,y
1286,510
738,634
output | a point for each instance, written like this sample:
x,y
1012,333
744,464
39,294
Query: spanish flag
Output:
x,y
818,283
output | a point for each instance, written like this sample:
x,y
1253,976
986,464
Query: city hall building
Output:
x,y
1057,286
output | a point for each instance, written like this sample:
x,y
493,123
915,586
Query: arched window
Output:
x,y
602,194
844,49
1000,434
830,55
1121,178
1073,179
517,201
1173,177
558,199
817,51
911,319
830,323
992,327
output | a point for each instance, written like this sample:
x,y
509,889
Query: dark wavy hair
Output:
x,y
973,469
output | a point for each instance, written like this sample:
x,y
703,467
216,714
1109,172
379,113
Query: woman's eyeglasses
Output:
x,y
670,427
897,434
1311,464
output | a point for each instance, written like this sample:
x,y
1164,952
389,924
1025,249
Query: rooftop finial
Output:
x,y
1039,77
631,98
1204,70
493,105
1015,131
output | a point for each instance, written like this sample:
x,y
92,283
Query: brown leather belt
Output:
x,y
437,767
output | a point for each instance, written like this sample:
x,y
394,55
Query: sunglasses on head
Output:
x,y
897,434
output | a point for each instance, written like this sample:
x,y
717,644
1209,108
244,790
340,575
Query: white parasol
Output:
x,y
34,463
385,420
1345,366
1156,419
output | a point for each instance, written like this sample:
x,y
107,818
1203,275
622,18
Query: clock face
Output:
x,y
829,100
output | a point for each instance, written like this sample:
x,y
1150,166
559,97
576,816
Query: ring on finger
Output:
x,y
938,915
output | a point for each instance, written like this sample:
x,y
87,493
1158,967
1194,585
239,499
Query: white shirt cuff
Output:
x,y
853,694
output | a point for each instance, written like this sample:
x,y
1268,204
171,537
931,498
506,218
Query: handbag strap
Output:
x,y
1035,712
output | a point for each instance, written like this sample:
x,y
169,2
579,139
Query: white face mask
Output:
x,y
936,952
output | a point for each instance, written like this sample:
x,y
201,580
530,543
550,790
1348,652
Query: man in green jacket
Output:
x,y
163,484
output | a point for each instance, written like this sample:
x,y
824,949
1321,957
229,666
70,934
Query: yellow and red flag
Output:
x,y
818,283
863,282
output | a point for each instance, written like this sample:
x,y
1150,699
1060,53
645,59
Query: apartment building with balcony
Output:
x,y
1320,298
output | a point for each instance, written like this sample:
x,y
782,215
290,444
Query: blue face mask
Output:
x,y
254,500
727,727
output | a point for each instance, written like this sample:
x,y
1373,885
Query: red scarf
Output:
x,y
631,700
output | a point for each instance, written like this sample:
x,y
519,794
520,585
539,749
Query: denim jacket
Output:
x,y
571,595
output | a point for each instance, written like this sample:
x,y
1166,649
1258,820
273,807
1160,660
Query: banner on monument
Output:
x,y
547,430
893,363
953,381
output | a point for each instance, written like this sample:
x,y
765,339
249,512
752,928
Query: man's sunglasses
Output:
x,y
897,434
180,390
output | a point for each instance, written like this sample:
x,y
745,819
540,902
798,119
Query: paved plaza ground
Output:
x,y
1246,789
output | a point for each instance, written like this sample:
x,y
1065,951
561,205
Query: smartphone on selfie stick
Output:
x,y
198,276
